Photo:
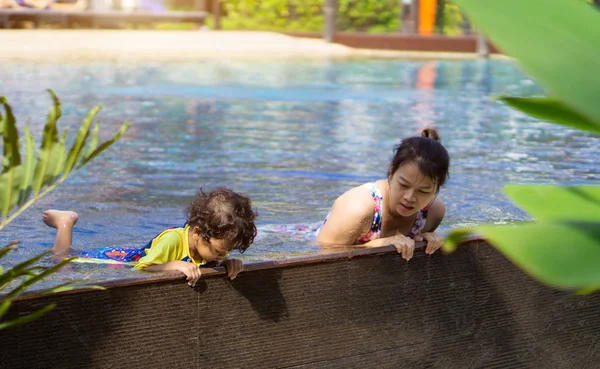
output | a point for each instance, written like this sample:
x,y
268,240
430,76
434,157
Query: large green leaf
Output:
x,y
8,248
94,141
28,167
38,277
20,269
80,139
10,179
546,202
105,145
4,306
27,318
552,110
455,237
10,138
57,161
65,287
49,141
10,184
556,41
564,255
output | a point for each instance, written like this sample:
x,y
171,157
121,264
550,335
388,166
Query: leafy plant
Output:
x,y
373,16
556,42
29,273
24,179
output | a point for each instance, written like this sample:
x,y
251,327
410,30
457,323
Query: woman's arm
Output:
x,y
350,218
436,213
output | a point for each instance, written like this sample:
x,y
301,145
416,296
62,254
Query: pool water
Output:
x,y
292,135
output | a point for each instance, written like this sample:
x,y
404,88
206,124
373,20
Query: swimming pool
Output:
x,y
292,135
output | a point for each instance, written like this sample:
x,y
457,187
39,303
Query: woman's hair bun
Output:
x,y
431,133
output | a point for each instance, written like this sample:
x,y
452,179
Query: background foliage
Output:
x,y
372,16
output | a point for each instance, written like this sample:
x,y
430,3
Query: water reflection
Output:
x,y
292,135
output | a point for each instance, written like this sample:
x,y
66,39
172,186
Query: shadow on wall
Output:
x,y
470,309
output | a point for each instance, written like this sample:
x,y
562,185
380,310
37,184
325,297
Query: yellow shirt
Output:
x,y
170,245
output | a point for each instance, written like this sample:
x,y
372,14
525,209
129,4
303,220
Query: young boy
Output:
x,y
217,223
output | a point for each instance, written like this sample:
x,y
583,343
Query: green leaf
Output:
x,y
547,202
556,41
66,287
552,110
79,141
10,183
4,306
94,141
455,238
8,248
49,140
564,254
19,269
10,138
34,279
28,167
28,318
55,167
105,145
587,290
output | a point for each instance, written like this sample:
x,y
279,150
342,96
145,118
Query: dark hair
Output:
x,y
427,152
223,214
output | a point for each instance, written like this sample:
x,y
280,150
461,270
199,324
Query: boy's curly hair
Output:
x,y
223,214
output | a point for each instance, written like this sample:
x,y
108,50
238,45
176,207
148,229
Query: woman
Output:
x,y
399,210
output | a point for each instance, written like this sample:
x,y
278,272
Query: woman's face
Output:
x,y
410,190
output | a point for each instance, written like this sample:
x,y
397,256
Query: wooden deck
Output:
x,y
92,18
365,308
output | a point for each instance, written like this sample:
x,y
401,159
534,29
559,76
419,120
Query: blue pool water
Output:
x,y
292,135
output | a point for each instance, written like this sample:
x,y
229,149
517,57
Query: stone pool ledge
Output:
x,y
90,45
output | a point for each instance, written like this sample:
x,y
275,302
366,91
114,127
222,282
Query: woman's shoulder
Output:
x,y
437,206
357,200
435,213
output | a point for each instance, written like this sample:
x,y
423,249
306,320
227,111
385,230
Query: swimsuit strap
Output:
x,y
375,230
419,223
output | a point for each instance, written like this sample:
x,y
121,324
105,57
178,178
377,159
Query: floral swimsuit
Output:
x,y
375,231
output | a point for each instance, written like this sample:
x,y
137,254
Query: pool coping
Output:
x,y
328,255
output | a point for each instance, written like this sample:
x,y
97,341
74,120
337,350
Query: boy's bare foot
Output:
x,y
60,218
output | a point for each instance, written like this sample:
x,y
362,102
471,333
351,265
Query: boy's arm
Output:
x,y
191,271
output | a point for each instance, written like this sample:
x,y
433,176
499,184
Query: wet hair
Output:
x,y
223,214
427,152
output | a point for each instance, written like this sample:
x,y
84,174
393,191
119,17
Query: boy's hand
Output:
x,y
233,266
191,271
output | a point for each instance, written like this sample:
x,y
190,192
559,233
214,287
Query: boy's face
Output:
x,y
215,249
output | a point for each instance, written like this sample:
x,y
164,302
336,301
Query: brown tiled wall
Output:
x,y
471,309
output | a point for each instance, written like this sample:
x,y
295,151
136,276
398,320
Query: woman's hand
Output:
x,y
233,266
434,241
403,245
